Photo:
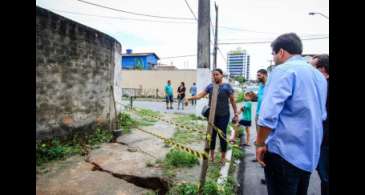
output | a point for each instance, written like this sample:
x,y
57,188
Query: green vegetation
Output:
x,y
210,188
228,186
185,136
126,123
240,79
147,114
184,189
237,153
177,158
58,149
80,142
240,97
213,172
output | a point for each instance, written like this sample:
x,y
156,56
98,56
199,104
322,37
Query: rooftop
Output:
x,y
141,54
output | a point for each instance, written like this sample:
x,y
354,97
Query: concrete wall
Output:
x,y
156,79
75,69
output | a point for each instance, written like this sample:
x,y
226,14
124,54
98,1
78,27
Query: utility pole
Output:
x,y
215,37
204,34
204,63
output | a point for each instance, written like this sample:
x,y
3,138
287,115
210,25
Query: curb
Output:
x,y
225,169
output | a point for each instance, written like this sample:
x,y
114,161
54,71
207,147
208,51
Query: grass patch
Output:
x,y
186,119
213,172
177,158
59,149
237,153
228,186
210,188
185,136
126,123
147,115
185,189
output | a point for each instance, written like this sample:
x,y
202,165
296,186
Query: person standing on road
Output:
x,y
181,95
321,62
193,91
169,95
221,119
291,115
245,119
261,77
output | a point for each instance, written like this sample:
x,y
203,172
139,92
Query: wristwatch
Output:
x,y
259,145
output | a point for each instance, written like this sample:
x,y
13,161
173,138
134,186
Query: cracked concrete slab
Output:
x,y
74,176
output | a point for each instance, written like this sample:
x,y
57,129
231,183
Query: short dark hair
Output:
x,y
289,42
218,70
183,83
262,71
323,61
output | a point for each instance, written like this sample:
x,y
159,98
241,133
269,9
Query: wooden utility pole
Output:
x,y
204,62
215,38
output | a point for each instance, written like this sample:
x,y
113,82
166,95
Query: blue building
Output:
x,y
145,61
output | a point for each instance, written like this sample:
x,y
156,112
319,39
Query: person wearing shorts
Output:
x,y
169,95
245,119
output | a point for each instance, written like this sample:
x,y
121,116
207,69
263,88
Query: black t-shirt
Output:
x,y
182,91
224,92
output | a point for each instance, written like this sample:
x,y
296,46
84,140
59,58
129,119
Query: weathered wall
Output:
x,y
157,79
75,69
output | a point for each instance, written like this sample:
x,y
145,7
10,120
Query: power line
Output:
x,y
302,37
135,13
123,18
191,10
253,31
264,42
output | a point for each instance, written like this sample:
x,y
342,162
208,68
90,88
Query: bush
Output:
x,y
177,158
184,189
210,188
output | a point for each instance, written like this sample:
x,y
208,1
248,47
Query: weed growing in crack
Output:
x,y
77,143
177,158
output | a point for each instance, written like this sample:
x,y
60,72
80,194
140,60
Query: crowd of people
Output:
x,y
291,117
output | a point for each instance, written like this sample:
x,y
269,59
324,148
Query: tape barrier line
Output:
x,y
168,141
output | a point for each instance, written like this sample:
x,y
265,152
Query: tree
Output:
x,y
240,79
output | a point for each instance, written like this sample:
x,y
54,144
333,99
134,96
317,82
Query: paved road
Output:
x,y
253,172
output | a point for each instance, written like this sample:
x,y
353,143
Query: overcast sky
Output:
x,y
260,20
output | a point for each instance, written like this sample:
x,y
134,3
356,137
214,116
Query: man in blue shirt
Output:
x,y
169,95
292,110
261,77
193,91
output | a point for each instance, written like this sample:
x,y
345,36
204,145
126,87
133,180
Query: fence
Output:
x,y
140,92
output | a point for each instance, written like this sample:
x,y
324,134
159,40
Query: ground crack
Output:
x,y
157,184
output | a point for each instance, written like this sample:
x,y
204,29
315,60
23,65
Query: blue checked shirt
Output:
x,y
294,107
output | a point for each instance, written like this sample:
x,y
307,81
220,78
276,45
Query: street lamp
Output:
x,y
314,13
